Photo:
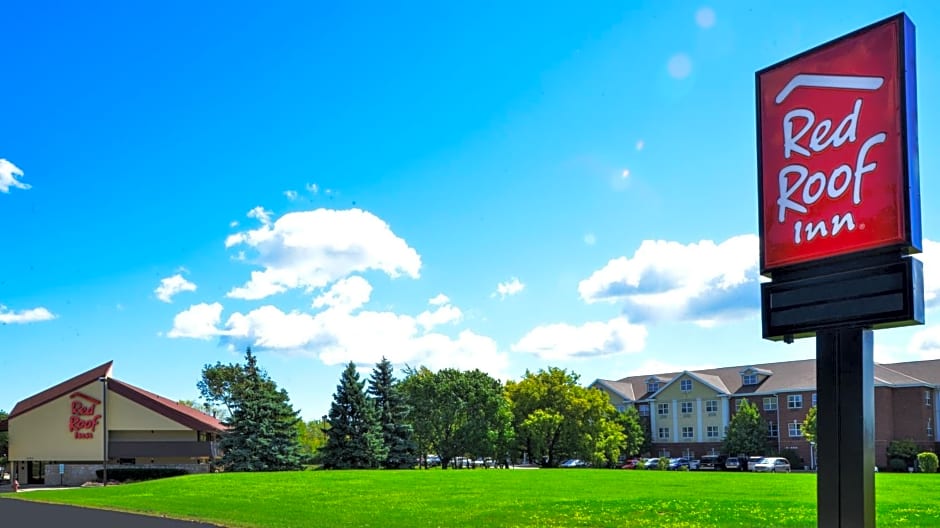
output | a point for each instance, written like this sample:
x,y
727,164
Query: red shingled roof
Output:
x,y
67,386
181,414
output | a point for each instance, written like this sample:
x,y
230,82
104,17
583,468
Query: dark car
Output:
x,y
678,463
713,462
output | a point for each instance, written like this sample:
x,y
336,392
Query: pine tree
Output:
x,y
262,429
401,451
354,439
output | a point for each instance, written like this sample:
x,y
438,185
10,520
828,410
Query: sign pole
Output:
x,y
845,487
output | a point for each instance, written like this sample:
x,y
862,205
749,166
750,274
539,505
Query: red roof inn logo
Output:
x,y
836,162
84,420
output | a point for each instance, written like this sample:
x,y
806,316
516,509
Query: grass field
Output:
x,y
538,498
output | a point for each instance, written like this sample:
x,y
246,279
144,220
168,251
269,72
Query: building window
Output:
x,y
652,386
796,429
662,409
686,407
664,433
814,399
687,433
929,428
749,379
644,409
711,431
711,406
772,430
770,404
685,385
795,401
927,398
621,408
738,403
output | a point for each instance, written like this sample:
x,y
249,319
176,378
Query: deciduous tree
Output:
x,y
456,413
747,433
556,418
809,426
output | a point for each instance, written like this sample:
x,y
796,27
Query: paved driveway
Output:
x,y
28,513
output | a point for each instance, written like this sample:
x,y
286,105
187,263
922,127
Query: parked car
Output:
x,y
652,463
695,464
631,463
732,463
713,462
772,465
753,461
677,463
573,463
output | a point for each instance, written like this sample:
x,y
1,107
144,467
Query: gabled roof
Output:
x,y
624,390
714,382
756,370
66,387
181,414
792,376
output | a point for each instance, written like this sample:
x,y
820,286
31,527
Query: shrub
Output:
x,y
683,468
906,450
123,474
663,463
927,462
897,465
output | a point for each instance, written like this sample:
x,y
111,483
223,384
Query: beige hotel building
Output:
x,y
64,434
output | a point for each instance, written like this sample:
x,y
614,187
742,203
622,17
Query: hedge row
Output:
x,y
123,474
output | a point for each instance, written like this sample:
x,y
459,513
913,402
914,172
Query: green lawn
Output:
x,y
531,498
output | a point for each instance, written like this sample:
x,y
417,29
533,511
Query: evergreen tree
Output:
x,y
392,413
262,429
354,439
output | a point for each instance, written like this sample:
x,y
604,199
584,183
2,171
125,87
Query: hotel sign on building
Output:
x,y
69,425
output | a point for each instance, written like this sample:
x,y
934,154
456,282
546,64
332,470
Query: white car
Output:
x,y
773,465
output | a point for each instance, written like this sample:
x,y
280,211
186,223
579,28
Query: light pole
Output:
x,y
104,426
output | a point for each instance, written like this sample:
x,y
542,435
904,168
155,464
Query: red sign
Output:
x,y
84,419
835,170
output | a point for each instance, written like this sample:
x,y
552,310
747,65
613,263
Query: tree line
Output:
x,y
383,422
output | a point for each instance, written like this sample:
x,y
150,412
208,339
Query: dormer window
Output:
x,y
754,375
652,386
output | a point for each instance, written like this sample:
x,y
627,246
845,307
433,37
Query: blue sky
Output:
x,y
503,186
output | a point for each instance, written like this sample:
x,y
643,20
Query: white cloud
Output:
x,y
705,17
931,259
8,175
444,314
170,286
640,144
199,321
438,300
346,294
291,194
338,334
263,216
312,188
926,343
32,315
508,288
679,66
625,174
590,239
702,282
562,341
311,249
